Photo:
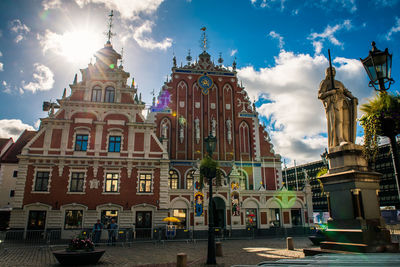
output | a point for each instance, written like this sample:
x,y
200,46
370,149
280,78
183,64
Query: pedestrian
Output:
x,y
97,228
112,232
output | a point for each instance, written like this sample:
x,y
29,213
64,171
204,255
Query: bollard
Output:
x,y
289,243
218,248
181,260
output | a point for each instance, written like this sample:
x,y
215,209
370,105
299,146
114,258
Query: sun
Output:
x,y
76,46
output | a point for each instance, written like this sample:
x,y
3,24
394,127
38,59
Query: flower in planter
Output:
x,y
81,243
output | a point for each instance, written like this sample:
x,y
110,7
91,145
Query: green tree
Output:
x,y
209,168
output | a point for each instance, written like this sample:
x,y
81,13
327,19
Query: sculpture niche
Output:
x,y
341,110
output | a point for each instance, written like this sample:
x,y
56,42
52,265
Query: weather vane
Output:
x,y
110,34
204,43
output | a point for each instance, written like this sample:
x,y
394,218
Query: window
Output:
x,y
251,217
145,183
107,216
12,193
181,215
96,94
189,179
114,144
73,219
112,182
109,95
42,181
77,181
173,179
15,174
81,142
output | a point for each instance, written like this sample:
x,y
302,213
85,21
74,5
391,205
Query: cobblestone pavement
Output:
x,y
150,254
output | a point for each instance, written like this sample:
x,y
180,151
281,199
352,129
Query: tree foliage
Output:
x,y
381,118
210,168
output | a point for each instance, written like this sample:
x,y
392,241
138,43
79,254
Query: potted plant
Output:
x,y
80,251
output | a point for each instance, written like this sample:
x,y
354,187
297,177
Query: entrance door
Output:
x,y
143,224
219,213
36,224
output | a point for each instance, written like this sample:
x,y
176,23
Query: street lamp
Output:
x,y
210,173
378,65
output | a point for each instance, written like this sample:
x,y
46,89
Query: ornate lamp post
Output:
x,y
378,65
210,173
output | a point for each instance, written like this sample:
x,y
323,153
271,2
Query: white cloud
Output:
x,y
147,42
329,34
37,124
297,117
20,29
7,87
129,9
51,4
13,128
277,36
233,52
43,79
394,29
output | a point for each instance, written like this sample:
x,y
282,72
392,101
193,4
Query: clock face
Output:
x,y
205,83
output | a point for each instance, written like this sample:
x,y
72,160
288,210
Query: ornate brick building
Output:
x,y
203,99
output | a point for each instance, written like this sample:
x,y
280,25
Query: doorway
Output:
x,y
143,224
219,213
36,224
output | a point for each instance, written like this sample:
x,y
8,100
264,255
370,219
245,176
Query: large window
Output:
x,y
81,142
96,94
114,144
110,92
181,215
251,217
77,181
189,179
173,179
73,219
112,180
42,181
145,183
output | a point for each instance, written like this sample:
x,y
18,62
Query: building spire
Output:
x,y
110,34
204,41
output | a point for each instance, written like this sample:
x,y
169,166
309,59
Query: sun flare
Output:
x,y
76,46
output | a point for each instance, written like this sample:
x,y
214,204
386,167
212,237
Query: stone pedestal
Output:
x,y
356,223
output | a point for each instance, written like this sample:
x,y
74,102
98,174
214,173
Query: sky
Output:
x,y
280,47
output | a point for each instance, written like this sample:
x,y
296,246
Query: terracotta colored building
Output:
x,y
97,157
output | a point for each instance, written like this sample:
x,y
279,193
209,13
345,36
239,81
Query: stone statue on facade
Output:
x,y
197,129
229,130
164,130
213,127
341,110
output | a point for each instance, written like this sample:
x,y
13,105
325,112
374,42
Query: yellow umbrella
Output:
x,y
171,219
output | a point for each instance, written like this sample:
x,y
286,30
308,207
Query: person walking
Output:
x,y
112,232
97,228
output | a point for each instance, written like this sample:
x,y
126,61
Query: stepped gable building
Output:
x,y
96,157
203,99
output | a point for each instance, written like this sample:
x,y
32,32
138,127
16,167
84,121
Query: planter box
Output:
x,y
78,257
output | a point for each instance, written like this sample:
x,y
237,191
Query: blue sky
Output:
x,y
280,46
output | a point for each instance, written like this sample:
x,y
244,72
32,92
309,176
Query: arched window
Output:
x,y
110,93
244,138
96,94
173,179
190,179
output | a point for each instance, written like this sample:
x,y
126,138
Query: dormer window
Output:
x,y
96,94
110,93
